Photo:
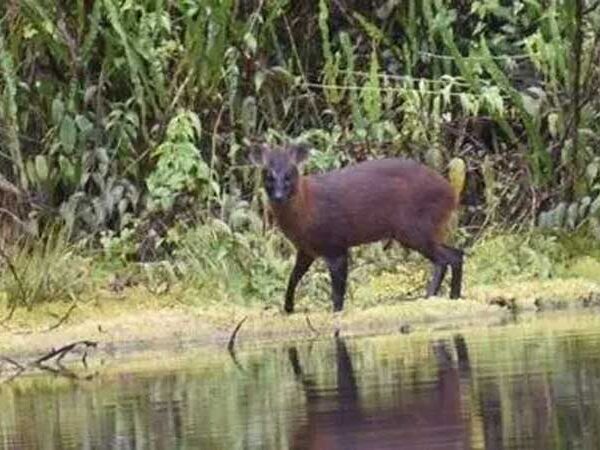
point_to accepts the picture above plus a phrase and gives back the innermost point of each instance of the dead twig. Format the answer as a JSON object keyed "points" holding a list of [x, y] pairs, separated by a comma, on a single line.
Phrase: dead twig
{"points": [[62, 320], [310, 325]]}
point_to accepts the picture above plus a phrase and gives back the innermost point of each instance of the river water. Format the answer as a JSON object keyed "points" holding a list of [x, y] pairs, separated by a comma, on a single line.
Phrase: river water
{"points": [[534, 384]]}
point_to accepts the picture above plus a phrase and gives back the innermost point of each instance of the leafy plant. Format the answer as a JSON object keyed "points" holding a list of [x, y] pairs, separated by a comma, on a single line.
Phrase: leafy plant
{"points": [[105, 104], [237, 266], [180, 167]]}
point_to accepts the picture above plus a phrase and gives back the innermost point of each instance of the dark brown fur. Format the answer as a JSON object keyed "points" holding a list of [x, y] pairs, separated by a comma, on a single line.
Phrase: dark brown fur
{"points": [[390, 199], [372, 201]]}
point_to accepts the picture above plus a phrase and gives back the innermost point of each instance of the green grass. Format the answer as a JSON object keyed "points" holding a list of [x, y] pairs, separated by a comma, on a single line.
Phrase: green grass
{"points": [[43, 270]]}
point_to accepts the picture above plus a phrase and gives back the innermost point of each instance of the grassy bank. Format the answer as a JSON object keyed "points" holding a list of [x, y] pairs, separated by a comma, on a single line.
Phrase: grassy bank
{"points": [[133, 307]]}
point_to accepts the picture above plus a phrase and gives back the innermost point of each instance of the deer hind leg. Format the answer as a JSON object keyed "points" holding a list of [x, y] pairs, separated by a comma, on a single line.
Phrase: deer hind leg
{"points": [[439, 272], [441, 257], [456, 263], [420, 238], [338, 269]]}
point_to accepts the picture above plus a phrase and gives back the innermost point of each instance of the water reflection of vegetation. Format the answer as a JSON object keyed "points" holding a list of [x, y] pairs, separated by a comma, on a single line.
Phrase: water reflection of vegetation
{"points": [[533, 385]]}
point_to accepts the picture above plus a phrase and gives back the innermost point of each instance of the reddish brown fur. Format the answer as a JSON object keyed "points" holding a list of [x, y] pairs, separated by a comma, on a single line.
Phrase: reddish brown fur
{"points": [[325, 215], [384, 199]]}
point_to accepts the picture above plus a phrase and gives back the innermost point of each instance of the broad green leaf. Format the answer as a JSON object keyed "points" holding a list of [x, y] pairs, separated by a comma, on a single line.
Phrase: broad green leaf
{"points": [[67, 170], [250, 42], [41, 167], [58, 109], [592, 170], [68, 134], [84, 124]]}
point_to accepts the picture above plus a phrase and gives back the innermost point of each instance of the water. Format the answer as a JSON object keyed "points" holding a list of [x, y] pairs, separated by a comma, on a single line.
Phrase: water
{"points": [[523, 386]]}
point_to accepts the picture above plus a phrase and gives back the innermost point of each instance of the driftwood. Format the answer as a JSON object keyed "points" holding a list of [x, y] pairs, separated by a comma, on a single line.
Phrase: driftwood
{"points": [[55, 355]]}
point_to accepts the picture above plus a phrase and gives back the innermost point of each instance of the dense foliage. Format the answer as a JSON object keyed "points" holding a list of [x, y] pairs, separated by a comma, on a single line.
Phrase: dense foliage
{"points": [[128, 119]]}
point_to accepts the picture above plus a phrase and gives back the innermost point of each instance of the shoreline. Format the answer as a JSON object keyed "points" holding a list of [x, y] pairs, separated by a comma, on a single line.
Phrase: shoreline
{"points": [[137, 322]]}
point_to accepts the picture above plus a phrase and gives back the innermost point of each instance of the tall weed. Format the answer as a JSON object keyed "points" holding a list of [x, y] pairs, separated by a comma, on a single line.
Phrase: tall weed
{"points": [[48, 269]]}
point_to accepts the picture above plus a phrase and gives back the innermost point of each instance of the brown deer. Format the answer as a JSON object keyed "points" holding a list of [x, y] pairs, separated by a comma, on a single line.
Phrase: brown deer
{"points": [[324, 215]]}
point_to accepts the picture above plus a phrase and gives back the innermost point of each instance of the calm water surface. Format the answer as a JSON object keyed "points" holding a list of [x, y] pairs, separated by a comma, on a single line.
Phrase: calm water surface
{"points": [[522, 386]]}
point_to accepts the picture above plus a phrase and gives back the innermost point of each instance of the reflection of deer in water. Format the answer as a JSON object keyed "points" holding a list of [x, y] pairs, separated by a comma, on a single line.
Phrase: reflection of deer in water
{"points": [[432, 419]]}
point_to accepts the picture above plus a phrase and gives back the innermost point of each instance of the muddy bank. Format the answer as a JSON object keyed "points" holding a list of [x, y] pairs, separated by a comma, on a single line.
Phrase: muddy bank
{"points": [[180, 327]]}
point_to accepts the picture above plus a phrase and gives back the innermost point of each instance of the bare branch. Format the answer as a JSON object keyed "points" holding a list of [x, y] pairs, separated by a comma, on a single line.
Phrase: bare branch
{"points": [[62, 320], [231, 344], [591, 8], [12, 362], [62, 351]]}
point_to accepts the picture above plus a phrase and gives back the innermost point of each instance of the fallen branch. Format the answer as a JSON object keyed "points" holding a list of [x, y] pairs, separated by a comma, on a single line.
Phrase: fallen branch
{"points": [[63, 351], [20, 368], [12, 362], [59, 354]]}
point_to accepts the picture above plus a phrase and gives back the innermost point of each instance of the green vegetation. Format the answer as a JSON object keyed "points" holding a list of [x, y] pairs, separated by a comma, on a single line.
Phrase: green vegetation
{"points": [[126, 125]]}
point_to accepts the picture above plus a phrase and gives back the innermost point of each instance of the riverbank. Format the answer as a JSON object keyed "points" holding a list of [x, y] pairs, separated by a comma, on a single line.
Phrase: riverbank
{"points": [[137, 321], [126, 310]]}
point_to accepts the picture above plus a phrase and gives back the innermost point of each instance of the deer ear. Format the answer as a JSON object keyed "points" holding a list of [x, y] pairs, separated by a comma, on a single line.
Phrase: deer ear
{"points": [[258, 154], [299, 153]]}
